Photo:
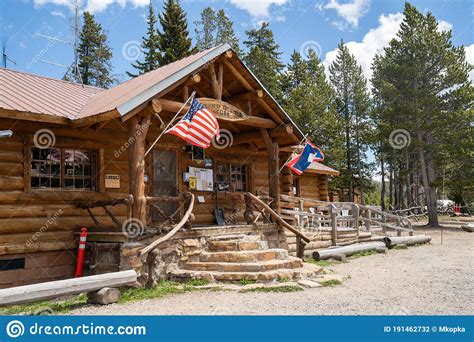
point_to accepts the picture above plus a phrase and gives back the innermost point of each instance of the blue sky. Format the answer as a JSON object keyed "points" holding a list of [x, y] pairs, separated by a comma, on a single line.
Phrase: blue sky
{"points": [[366, 25]]}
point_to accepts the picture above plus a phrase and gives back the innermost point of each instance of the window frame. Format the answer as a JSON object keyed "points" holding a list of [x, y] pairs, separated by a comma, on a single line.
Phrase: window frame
{"points": [[94, 166], [228, 176]]}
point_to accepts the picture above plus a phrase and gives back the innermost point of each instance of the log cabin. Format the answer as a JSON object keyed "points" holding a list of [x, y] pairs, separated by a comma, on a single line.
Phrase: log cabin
{"points": [[74, 156]]}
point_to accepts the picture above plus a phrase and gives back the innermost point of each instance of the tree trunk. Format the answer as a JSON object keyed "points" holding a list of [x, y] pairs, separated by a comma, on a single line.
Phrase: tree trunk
{"points": [[395, 186], [390, 185], [382, 192], [348, 161], [408, 181], [430, 193]]}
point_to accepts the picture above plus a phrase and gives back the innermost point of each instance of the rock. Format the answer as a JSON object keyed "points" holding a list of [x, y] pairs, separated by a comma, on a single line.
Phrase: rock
{"points": [[308, 283], [104, 296], [191, 243]]}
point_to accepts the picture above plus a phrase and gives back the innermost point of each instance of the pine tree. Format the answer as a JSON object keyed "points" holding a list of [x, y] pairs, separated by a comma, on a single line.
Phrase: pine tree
{"points": [[149, 47], [215, 28], [263, 58], [94, 54], [173, 41], [225, 32], [422, 85], [308, 99], [206, 29], [352, 103]]}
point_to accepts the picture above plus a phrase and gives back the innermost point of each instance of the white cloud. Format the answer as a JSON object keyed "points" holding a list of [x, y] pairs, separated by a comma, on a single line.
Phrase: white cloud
{"points": [[58, 14], [257, 8], [350, 11], [377, 38], [93, 6], [470, 58], [372, 43], [444, 25]]}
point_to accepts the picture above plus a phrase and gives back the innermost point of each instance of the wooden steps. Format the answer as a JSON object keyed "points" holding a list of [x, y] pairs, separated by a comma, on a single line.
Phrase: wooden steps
{"points": [[243, 257]]}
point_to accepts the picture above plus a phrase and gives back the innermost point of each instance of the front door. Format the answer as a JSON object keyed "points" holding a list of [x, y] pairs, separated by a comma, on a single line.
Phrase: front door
{"points": [[165, 183]]}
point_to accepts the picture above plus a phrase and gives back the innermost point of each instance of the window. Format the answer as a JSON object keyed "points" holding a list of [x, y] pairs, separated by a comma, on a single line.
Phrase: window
{"points": [[12, 264], [231, 177], [77, 169], [46, 168], [296, 187], [63, 168]]}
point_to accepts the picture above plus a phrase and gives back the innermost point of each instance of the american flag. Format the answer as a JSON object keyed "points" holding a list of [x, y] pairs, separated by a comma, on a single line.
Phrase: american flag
{"points": [[197, 127]]}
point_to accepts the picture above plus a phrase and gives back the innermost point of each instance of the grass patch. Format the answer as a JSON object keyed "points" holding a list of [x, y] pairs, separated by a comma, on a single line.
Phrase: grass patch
{"points": [[47, 307], [331, 282], [53, 307], [322, 263], [197, 282], [284, 280], [163, 288], [244, 282], [362, 254], [285, 288]]}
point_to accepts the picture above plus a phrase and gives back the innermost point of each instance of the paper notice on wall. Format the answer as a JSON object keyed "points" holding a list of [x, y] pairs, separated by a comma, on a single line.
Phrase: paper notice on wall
{"points": [[204, 178]]}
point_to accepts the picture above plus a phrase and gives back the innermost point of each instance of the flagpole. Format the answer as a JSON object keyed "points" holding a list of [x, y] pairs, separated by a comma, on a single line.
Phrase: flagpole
{"points": [[304, 138], [169, 124]]}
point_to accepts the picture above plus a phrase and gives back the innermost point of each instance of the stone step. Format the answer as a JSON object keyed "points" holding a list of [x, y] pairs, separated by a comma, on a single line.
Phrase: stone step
{"points": [[226, 237], [244, 256], [236, 245], [291, 263], [307, 271]]}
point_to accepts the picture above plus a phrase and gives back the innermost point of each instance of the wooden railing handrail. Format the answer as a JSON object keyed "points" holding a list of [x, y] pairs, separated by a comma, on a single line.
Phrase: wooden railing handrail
{"points": [[157, 242], [276, 217]]}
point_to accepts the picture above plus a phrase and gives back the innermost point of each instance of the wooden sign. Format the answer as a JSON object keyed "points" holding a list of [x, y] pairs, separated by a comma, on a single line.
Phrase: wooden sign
{"points": [[223, 110], [112, 181]]}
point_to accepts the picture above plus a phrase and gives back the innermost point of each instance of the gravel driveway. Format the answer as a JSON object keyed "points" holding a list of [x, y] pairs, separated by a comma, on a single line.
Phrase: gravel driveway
{"points": [[432, 279]]}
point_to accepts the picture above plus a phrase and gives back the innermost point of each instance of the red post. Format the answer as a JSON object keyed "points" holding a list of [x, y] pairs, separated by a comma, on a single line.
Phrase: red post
{"points": [[80, 253]]}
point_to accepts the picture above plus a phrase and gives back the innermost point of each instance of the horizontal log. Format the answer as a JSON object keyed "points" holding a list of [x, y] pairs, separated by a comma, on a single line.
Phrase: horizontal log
{"points": [[47, 246], [32, 224], [406, 240], [35, 210], [22, 238], [347, 250], [11, 183], [174, 106], [247, 96], [54, 289], [49, 197]]}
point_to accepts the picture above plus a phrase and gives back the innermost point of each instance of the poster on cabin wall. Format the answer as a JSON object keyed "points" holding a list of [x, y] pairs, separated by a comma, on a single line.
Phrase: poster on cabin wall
{"points": [[204, 178], [112, 181]]}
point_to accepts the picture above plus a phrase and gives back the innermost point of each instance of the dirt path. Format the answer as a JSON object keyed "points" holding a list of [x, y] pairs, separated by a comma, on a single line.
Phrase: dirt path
{"points": [[430, 279]]}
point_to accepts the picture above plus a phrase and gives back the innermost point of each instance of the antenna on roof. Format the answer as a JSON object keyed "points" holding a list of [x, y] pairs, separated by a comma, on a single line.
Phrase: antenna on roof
{"points": [[5, 57], [72, 71]]}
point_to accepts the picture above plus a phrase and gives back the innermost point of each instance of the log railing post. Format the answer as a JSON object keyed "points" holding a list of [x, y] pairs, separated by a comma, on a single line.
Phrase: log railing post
{"points": [[399, 224], [355, 213], [368, 215], [333, 213], [248, 213], [301, 216], [384, 227]]}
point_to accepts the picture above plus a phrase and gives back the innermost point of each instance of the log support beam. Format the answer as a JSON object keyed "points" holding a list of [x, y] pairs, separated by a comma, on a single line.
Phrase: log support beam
{"points": [[138, 128], [252, 136], [273, 169], [247, 96], [217, 79], [254, 121]]}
